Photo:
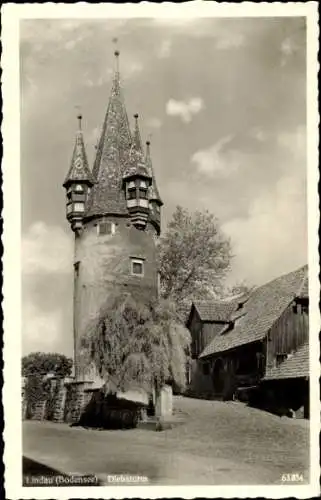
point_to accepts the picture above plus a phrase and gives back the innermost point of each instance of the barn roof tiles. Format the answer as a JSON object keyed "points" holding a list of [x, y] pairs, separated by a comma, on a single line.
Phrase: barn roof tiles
{"points": [[259, 312], [296, 365], [210, 310]]}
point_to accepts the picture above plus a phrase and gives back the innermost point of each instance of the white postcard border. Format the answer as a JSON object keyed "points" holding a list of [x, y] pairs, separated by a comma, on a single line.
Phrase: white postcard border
{"points": [[12, 13]]}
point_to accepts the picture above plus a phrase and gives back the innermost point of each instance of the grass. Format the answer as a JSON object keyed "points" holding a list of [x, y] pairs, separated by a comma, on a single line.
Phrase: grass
{"points": [[219, 443]]}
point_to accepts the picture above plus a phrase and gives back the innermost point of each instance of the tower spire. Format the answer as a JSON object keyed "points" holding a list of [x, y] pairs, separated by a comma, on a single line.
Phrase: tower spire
{"points": [[112, 154]]}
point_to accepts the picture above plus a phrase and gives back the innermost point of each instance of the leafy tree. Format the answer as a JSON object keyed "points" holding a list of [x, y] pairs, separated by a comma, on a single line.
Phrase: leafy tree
{"points": [[239, 288], [137, 342], [42, 363], [194, 257]]}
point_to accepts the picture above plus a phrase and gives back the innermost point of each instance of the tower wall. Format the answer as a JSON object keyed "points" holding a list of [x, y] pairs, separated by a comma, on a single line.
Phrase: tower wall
{"points": [[103, 264]]}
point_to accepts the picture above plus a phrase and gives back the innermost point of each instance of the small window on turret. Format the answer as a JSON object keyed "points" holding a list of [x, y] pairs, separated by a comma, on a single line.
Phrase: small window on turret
{"points": [[79, 207], [106, 228], [79, 188], [137, 267], [143, 193], [131, 194], [143, 184]]}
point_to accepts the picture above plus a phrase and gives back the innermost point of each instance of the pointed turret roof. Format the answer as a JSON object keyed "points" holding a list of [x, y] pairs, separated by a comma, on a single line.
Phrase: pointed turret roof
{"points": [[136, 164], [79, 169], [107, 195], [136, 135], [153, 193]]}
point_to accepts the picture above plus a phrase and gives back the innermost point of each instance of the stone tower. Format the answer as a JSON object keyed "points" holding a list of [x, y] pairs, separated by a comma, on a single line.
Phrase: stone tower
{"points": [[114, 211]]}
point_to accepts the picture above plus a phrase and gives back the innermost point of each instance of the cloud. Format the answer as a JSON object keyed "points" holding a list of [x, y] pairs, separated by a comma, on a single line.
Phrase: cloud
{"points": [[94, 136], [165, 49], [216, 160], [131, 69], [184, 109], [71, 44], [154, 123], [98, 81], [230, 41], [274, 230], [258, 134], [46, 249], [294, 141], [289, 47], [42, 331]]}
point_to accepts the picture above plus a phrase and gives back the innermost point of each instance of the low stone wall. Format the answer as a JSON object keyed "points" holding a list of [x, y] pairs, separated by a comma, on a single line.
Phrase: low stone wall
{"points": [[65, 400], [78, 396]]}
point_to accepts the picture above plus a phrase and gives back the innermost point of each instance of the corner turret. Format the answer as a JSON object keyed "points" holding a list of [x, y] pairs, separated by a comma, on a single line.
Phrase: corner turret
{"points": [[136, 182], [78, 182]]}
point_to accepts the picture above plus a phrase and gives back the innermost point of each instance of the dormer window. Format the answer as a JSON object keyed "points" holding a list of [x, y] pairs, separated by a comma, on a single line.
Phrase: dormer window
{"points": [[280, 357], [304, 309]]}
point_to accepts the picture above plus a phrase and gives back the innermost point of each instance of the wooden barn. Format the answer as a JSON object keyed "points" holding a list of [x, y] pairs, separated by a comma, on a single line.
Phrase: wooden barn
{"points": [[255, 345]]}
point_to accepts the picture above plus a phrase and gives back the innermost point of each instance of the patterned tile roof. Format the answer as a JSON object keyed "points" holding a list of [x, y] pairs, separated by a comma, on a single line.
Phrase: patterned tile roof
{"points": [[297, 365], [136, 135], [153, 193], [79, 169], [136, 163], [210, 310], [107, 195], [261, 310]]}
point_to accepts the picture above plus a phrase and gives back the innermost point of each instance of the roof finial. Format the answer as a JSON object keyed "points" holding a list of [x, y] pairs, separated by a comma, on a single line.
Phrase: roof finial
{"points": [[79, 116], [149, 138], [116, 53], [79, 121]]}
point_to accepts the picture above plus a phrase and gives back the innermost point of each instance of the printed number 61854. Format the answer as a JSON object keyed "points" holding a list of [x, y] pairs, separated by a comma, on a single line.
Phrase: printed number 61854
{"points": [[291, 478]]}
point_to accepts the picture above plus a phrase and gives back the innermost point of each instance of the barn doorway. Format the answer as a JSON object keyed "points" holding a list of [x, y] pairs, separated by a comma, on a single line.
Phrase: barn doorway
{"points": [[218, 376]]}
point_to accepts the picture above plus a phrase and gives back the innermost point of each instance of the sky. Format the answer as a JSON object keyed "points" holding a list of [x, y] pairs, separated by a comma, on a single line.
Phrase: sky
{"points": [[223, 101]]}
